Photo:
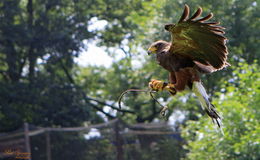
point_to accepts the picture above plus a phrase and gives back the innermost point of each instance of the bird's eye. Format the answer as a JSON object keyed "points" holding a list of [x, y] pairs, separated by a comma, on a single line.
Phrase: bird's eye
{"points": [[158, 45]]}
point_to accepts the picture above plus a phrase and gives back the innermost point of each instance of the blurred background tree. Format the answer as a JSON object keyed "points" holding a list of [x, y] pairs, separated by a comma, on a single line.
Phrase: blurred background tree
{"points": [[240, 108], [41, 83]]}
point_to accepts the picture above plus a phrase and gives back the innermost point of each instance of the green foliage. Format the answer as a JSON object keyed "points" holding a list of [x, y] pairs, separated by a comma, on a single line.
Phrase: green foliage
{"points": [[38, 41], [239, 106], [167, 149]]}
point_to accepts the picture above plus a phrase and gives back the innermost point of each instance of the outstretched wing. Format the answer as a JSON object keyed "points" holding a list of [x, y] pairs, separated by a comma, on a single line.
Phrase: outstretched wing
{"points": [[199, 40]]}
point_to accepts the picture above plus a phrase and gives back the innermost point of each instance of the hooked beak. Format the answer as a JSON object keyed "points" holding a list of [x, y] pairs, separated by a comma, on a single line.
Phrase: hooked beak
{"points": [[151, 50], [169, 27]]}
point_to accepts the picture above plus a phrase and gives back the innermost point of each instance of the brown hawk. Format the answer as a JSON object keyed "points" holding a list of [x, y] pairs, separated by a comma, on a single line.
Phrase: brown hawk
{"points": [[197, 46]]}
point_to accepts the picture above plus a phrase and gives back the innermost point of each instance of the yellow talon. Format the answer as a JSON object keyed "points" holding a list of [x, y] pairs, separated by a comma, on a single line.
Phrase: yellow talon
{"points": [[171, 89], [156, 85]]}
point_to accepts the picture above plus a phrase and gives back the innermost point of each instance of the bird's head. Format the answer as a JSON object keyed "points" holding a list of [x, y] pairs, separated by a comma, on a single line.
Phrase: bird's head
{"points": [[169, 27], [157, 47]]}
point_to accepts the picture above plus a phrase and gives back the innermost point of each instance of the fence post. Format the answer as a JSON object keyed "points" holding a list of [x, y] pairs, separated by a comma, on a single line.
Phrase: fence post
{"points": [[27, 140], [118, 142], [48, 145]]}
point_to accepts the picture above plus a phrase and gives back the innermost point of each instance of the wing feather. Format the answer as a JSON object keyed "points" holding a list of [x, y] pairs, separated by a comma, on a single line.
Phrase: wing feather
{"points": [[200, 40], [208, 17], [185, 13], [212, 23], [196, 14]]}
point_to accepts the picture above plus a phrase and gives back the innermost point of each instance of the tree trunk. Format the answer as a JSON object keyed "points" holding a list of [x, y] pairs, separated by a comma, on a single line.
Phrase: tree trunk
{"points": [[31, 54]]}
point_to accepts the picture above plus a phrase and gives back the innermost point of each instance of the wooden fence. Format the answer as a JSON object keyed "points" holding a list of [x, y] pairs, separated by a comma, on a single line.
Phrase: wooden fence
{"points": [[17, 144]]}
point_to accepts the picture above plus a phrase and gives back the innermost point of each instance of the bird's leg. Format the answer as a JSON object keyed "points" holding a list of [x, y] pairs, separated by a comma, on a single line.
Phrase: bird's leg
{"points": [[158, 85]]}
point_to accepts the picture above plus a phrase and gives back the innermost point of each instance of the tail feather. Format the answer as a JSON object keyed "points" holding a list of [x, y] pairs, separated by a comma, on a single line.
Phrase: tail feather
{"points": [[203, 97]]}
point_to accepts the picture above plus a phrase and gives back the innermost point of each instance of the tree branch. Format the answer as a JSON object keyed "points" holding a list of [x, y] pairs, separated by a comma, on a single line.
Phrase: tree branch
{"points": [[111, 106], [125, 52], [67, 72], [101, 110], [70, 78]]}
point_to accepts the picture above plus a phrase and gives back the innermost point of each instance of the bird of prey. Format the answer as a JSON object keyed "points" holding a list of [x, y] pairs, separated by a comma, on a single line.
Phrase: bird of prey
{"points": [[197, 46]]}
